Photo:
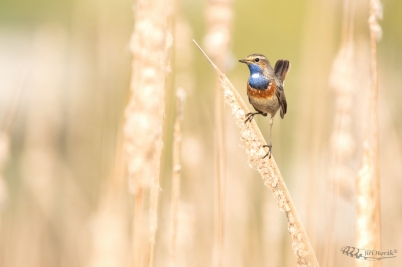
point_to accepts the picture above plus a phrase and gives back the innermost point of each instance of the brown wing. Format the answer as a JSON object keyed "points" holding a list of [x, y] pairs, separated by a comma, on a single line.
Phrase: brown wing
{"points": [[280, 93], [281, 69]]}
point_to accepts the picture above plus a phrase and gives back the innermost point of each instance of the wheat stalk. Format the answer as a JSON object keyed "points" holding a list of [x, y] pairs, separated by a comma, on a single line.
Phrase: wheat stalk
{"points": [[176, 177], [150, 46], [342, 142], [252, 141], [217, 40], [368, 180]]}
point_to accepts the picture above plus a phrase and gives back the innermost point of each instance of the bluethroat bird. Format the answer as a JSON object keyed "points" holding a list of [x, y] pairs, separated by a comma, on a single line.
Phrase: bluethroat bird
{"points": [[265, 89]]}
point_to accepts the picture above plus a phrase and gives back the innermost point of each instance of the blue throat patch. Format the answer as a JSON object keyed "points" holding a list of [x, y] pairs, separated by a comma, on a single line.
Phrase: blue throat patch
{"points": [[257, 79]]}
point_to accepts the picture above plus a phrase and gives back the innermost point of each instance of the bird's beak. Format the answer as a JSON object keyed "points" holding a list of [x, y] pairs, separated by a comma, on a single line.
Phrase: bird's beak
{"points": [[243, 61]]}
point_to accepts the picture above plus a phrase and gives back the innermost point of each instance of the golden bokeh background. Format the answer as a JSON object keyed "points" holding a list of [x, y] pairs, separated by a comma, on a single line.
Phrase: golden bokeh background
{"points": [[64, 83]]}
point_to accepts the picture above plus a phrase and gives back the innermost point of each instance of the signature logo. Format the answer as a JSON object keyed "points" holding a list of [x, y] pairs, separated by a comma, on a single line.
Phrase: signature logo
{"points": [[367, 254]]}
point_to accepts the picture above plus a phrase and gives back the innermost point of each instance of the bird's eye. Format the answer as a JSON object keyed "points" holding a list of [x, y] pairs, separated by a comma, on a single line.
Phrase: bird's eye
{"points": [[257, 59]]}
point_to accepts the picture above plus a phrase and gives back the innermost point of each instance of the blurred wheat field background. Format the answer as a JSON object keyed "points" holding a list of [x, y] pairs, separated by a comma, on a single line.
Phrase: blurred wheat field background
{"points": [[69, 194]]}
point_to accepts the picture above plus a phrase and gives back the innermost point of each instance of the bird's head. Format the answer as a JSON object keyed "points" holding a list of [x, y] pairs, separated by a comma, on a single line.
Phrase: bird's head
{"points": [[256, 63]]}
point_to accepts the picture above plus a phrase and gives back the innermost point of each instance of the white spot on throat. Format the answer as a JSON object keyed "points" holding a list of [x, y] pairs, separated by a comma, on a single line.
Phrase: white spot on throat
{"points": [[255, 75]]}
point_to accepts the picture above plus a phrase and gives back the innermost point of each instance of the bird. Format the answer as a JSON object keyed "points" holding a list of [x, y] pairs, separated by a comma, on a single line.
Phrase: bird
{"points": [[265, 89]]}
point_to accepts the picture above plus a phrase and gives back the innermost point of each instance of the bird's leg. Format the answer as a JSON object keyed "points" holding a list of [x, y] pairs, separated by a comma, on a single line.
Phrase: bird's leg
{"points": [[269, 153], [250, 115]]}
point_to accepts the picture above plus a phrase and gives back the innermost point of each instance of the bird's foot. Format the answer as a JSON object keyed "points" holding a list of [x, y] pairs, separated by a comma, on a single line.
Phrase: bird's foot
{"points": [[269, 153], [250, 116]]}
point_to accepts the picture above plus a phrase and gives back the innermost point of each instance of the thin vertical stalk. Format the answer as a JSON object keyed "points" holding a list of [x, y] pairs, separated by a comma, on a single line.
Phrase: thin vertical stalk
{"points": [[220, 181], [376, 149], [176, 177], [342, 142], [368, 181], [138, 228], [218, 43], [150, 47]]}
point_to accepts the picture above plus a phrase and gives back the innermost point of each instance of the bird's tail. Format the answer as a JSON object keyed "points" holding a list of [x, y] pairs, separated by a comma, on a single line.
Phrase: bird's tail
{"points": [[281, 69]]}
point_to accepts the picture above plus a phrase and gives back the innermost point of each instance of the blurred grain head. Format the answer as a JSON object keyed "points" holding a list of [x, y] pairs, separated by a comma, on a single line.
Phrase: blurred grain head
{"points": [[342, 141], [343, 84], [184, 58], [144, 114], [368, 220], [150, 44], [219, 33]]}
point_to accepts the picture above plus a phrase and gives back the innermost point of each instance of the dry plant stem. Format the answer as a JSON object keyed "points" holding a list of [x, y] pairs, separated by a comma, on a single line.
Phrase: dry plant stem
{"points": [[375, 128], [219, 20], [368, 181], [150, 45], [138, 223], [176, 178], [342, 141], [153, 220], [252, 140], [220, 181]]}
